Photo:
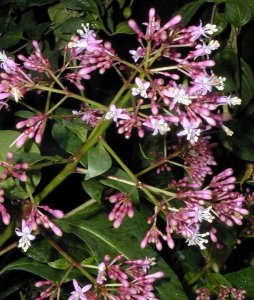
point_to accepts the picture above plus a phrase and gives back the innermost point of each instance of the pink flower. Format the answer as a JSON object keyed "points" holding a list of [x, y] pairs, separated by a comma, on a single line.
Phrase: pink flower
{"points": [[26, 236], [191, 130], [79, 293], [141, 88], [7, 63]]}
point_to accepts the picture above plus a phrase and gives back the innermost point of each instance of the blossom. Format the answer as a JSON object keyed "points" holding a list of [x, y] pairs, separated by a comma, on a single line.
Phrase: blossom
{"points": [[7, 63], [141, 88], [137, 54], [197, 238], [158, 125], [26, 236], [116, 113], [191, 130], [79, 293], [123, 206], [85, 41], [229, 100]]}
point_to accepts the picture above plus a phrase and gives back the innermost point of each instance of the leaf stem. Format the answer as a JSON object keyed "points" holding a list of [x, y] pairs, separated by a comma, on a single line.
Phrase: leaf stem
{"points": [[69, 258]]}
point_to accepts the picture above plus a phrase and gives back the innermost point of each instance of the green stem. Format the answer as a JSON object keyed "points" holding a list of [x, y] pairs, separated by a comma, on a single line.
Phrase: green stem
{"points": [[80, 207], [139, 185], [69, 258], [57, 105], [71, 95], [117, 158], [8, 248], [90, 142], [52, 75], [196, 277]]}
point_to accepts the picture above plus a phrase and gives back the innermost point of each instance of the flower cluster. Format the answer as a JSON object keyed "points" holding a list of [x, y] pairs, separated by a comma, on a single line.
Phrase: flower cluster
{"points": [[123, 206], [17, 170], [34, 128], [216, 201], [223, 293], [120, 279], [33, 218]]}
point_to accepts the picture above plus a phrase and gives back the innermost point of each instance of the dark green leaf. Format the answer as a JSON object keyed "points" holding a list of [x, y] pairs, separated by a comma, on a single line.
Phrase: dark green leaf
{"points": [[250, 3], [220, 22], [121, 186], [189, 10], [29, 265], [217, 279], [99, 161], [40, 251], [247, 81], [86, 5], [243, 280], [93, 188], [41, 2], [97, 232], [241, 143], [237, 12]]}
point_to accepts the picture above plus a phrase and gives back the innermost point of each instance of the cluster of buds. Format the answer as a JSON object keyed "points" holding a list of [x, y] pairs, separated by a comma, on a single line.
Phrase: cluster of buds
{"points": [[34, 128], [120, 279], [92, 54], [122, 207], [33, 218], [223, 293], [3, 212], [14, 82], [51, 290], [217, 201], [90, 116], [193, 106], [17, 170], [36, 61]]}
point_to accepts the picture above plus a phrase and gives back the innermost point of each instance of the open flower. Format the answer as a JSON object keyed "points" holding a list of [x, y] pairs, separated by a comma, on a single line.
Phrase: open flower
{"points": [[79, 293], [26, 236], [141, 88]]}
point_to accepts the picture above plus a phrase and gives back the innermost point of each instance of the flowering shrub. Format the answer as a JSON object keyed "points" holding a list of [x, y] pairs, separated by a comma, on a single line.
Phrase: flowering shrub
{"points": [[178, 205]]}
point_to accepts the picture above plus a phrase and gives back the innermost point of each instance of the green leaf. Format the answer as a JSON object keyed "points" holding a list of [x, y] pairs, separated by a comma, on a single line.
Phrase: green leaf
{"points": [[218, 279], [220, 22], [41, 2], [97, 232], [123, 28], [99, 161], [250, 3], [40, 251], [237, 12], [58, 14], [29, 265], [93, 188], [121, 3], [189, 10], [243, 280], [61, 264], [24, 114], [247, 81], [86, 5], [120, 186], [78, 127], [241, 143], [14, 188], [67, 140]]}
